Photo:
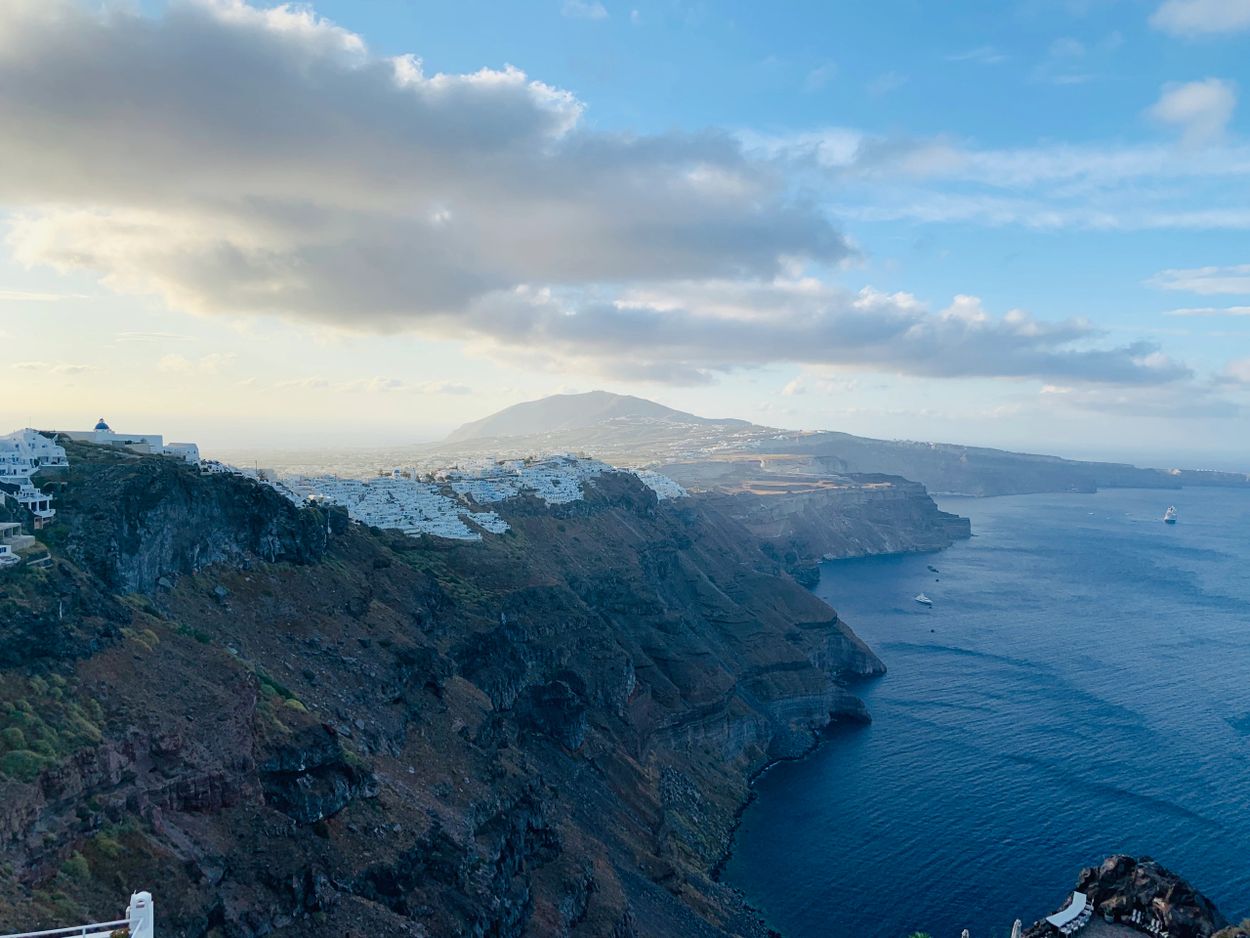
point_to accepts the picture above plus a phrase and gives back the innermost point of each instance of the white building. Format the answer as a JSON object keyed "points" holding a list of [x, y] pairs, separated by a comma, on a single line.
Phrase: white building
{"points": [[22, 454], [146, 443], [25, 452]]}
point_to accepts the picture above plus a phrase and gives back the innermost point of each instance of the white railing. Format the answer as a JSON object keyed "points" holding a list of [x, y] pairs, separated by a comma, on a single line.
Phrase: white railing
{"points": [[138, 923], [99, 928]]}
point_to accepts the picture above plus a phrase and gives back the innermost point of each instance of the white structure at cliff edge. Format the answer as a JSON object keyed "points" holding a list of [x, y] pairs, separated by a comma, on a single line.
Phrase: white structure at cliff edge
{"points": [[147, 443]]}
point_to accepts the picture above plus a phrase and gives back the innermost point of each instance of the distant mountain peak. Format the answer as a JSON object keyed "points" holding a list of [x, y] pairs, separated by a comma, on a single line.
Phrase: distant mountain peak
{"points": [[561, 412]]}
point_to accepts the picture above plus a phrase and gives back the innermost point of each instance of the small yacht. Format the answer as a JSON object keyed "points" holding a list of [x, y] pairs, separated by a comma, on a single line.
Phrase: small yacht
{"points": [[1169, 516], [923, 599]]}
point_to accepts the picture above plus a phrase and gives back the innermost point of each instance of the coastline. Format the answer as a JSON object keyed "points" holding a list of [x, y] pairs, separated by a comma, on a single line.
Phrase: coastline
{"points": [[963, 725], [819, 737]]}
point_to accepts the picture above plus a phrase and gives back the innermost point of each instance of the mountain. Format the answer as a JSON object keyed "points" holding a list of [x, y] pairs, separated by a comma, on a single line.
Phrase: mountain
{"points": [[284, 724], [698, 452], [564, 412]]}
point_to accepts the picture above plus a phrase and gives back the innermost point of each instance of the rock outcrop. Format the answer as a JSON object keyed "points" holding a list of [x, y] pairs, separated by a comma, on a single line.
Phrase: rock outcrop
{"points": [[1123, 886], [292, 726], [132, 521], [801, 518]]}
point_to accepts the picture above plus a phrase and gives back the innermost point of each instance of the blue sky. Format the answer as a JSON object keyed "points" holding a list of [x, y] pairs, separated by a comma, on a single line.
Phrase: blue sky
{"points": [[1013, 223]]}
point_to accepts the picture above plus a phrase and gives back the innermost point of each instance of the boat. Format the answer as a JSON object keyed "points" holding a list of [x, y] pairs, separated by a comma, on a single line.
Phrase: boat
{"points": [[932, 569], [1169, 516], [923, 599]]}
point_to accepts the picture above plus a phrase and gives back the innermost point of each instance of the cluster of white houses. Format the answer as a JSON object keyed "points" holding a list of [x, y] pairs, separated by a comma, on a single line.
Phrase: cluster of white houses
{"points": [[451, 503], [22, 454]]}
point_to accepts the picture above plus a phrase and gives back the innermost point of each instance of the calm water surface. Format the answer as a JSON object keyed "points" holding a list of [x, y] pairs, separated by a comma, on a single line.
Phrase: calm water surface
{"points": [[1080, 687]]}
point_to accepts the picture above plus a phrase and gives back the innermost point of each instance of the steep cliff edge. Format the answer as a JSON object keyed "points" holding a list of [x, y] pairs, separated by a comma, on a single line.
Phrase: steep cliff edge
{"points": [[875, 515], [284, 724], [801, 515]]}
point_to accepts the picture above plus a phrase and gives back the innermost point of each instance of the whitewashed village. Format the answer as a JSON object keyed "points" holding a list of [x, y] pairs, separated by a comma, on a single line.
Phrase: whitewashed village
{"points": [[449, 503]]}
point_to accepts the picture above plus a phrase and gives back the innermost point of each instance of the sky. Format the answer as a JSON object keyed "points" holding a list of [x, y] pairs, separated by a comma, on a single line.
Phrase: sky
{"points": [[1020, 223]]}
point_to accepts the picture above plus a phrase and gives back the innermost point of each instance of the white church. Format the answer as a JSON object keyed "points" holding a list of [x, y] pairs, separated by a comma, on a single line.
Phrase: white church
{"points": [[146, 443]]}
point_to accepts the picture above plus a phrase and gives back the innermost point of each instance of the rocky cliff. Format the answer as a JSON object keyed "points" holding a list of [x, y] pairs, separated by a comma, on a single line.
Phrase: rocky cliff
{"points": [[802, 515], [283, 724], [800, 526], [1140, 890]]}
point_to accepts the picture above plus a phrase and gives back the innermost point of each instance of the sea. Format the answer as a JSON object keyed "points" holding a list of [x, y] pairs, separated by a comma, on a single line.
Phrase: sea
{"points": [[1080, 687]]}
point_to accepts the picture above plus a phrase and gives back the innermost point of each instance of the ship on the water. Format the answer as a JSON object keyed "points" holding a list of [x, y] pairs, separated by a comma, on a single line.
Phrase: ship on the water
{"points": [[1169, 516]]}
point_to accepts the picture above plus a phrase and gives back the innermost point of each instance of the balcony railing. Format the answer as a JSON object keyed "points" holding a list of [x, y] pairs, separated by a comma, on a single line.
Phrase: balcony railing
{"points": [[139, 923]]}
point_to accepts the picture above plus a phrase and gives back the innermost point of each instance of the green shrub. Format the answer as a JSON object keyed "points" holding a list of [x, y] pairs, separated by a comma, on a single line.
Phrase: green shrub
{"points": [[13, 738], [77, 868], [23, 765]]}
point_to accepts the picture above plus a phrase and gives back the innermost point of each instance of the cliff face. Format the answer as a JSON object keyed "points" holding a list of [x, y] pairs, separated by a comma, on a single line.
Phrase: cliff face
{"points": [[880, 515], [800, 520], [286, 725], [132, 521]]}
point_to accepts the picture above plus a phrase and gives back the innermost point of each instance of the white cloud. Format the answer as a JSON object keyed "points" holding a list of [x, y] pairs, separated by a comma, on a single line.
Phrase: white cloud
{"points": [[1206, 281], [585, 9], [1201, 17], [1200, 110]]}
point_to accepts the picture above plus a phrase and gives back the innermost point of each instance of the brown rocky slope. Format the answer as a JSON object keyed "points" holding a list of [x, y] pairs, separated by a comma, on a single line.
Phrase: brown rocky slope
{"points": [[283, 724]]}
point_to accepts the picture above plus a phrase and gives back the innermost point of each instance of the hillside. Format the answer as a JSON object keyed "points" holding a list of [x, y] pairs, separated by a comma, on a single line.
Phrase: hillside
{"points": [[564, 412], [681, 445], [285, 724]]}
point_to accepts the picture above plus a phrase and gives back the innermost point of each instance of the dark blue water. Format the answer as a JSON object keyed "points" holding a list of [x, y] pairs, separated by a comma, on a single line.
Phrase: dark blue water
{"points": [[1081, 687]]}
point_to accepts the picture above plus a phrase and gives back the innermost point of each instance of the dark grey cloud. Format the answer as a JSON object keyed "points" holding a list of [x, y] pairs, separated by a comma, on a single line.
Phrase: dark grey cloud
{"points": [[689, 332]]}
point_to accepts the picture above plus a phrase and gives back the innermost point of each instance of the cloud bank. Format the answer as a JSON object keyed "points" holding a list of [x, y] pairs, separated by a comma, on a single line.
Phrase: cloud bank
{"points": [[278, 167]]}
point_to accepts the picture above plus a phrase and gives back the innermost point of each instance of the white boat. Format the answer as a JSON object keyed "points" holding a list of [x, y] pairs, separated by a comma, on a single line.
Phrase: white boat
{"points": [[1169, 516], [923, 599]]}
